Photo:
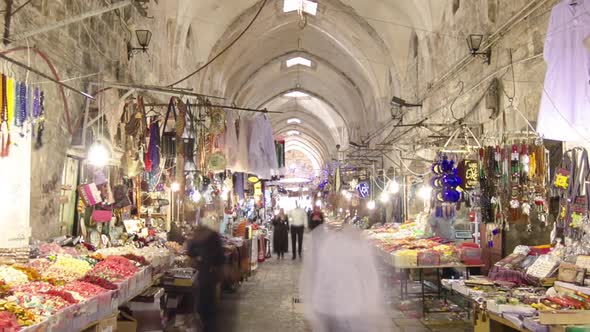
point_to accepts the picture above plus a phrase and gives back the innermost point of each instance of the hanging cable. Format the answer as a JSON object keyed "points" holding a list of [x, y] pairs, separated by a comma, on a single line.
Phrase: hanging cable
{"points": [[224, 50]]}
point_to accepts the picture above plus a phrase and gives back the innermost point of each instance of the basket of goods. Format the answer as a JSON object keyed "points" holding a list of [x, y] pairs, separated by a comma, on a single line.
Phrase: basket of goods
{"points": [[23, 316], [448, 254], [67, 269], [428, 258], [405, 258], [470, 254]]}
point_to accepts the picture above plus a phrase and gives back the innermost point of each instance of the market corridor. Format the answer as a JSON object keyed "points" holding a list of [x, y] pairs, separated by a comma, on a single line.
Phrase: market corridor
{"points": [[266, 301]]}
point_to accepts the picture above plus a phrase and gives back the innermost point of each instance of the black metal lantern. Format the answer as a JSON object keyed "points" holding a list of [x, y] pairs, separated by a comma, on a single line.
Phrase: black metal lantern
{"points": [[143, 39], [474, 42]]}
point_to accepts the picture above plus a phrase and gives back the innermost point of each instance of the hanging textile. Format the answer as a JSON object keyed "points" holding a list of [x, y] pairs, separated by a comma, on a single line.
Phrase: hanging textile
{"points": [[280, 149], [262, 152], [565, 102], [231, 142], [153, 153], [242, 163]]}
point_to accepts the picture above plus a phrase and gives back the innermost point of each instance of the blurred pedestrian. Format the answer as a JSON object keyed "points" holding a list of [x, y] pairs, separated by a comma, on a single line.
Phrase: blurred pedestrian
{"points": [[206, 251], [316, 218], [280, 234], [340, 284], [297, 217]]}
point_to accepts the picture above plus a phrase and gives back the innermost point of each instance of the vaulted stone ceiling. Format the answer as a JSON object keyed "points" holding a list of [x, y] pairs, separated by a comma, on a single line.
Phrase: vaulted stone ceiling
{"points": [[358, 50]]}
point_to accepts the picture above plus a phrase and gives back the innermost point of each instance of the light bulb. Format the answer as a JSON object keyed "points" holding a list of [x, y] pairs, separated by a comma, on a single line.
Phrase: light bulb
{"points": [[98, 155], [425, 192], [393, 187], [371, 205], [175, 186], [319, 194], [196, 196], [384, 198]]}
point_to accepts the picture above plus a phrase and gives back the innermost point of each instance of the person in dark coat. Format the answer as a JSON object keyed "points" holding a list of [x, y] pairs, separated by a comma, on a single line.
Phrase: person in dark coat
{"points": [[281, 234], [206, 250], [316, 218]]}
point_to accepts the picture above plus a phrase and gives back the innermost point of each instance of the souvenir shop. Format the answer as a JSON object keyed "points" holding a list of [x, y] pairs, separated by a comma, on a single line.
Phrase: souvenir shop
{"points": [[496, 227], [134, 191]]}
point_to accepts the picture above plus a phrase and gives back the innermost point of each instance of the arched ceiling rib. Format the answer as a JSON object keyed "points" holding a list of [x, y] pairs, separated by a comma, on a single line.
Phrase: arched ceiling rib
{"points": [[359, 49]]}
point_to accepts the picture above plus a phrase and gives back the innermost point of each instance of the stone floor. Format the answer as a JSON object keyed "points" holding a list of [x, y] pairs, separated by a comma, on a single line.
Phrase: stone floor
{"points": [[264, 303]]}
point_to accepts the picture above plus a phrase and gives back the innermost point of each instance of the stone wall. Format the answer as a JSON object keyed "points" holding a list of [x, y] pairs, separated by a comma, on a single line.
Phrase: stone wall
{"points": [[433, 54], [95, 47]]}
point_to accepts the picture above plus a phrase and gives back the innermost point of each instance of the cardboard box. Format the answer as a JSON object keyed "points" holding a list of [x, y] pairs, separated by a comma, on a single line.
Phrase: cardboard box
{"points": [[126, 323], [565, 317], [108, 324]]}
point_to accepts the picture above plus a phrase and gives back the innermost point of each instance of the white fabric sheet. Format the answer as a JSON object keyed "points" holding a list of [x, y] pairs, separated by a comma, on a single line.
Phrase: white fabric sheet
{"points": [[565, 105]]}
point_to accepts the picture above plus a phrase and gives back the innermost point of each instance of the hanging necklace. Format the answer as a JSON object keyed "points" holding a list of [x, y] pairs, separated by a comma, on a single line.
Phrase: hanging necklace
{"points": [[22, 98]]}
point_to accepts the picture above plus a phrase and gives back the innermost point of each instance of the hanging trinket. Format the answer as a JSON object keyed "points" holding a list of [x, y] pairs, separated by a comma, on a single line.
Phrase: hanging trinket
{"points": [[41, 121], [498, 161], [514, 161], [525, 161]]}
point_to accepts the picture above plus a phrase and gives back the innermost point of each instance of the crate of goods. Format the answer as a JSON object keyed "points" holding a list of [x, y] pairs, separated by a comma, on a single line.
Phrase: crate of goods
{"points": [[428, 258]]}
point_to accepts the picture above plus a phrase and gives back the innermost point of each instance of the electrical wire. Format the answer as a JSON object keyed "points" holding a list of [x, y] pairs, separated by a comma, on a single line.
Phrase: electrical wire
{"points": [[224, 49]]}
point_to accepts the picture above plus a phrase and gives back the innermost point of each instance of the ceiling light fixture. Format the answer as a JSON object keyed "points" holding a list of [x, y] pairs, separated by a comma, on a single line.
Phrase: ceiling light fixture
{"points": [[307, 6], [474, 43], [293, 133], [294, 121], [296, 94], [298, 61]]}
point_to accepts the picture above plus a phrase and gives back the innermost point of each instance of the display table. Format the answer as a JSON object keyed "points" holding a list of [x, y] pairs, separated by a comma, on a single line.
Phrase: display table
{"points": [[434, 289], [94, 310]]}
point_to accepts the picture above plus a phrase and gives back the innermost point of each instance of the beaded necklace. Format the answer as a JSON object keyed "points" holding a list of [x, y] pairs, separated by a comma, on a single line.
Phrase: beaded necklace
{"points": [[5, 125], [22, 104], [17, 104], [9, 100]]}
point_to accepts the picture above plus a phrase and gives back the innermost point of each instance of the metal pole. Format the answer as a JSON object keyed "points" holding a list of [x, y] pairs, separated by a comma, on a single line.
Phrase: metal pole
{"points": [[154, 88], [220, 106], [71, 20], [20, 64]]}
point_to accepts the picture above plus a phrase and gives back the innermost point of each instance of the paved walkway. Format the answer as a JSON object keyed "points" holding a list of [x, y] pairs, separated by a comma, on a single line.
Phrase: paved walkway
{"points": [[264, 303]]}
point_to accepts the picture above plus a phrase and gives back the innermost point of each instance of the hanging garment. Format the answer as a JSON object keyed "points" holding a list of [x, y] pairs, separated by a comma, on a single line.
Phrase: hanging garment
{"points": [[263, 156], [231, 142], [242, 163], [269, 148], [564, 112], [153, 154]]}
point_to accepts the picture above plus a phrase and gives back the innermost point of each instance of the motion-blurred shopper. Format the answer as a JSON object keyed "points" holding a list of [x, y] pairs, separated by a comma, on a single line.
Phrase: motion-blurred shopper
{"points": [[316, 218], [340, 284], [206, 250]]}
